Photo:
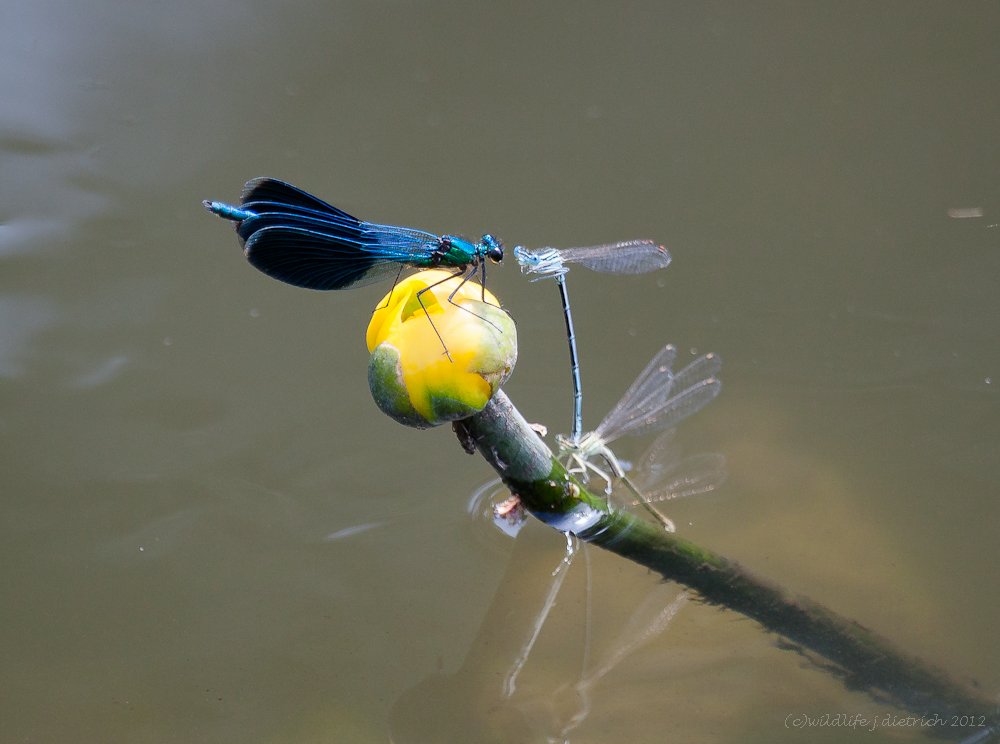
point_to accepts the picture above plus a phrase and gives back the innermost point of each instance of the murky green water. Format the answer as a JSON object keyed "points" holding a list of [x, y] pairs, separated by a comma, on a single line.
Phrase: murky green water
{"points": [[208, 532]]}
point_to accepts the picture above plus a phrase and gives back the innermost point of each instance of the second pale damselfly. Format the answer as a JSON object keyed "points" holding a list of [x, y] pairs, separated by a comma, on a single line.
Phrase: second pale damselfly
{"points": [[657, 400]]}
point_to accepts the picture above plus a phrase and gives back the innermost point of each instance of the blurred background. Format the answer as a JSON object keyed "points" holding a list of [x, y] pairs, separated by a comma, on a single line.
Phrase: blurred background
{"points": [[209, 533]]}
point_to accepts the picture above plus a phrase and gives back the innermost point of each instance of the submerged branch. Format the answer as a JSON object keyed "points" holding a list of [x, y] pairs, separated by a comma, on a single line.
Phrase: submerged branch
{"points": [[861, 658]]}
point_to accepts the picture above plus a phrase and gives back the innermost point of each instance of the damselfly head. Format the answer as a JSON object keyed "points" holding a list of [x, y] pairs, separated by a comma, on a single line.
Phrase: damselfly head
{"points": [[588, 444], [525, 258], [494, 248], [564, 443]]}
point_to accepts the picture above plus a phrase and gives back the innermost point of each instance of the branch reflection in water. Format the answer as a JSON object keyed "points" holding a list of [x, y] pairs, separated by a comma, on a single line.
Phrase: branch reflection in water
{"points": [[662, 473]]}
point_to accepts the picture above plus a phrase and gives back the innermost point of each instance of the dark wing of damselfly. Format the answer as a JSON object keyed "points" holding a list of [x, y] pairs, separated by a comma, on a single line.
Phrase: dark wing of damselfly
{"points": [[271, 190], [301, 240], [626, 257]]}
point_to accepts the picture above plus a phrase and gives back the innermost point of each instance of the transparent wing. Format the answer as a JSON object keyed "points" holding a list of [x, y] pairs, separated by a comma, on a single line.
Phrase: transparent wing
{"points": [[656, 398], [627, 257], [650, 619], [661, 474], [689, 477], [649, 404], [401, 243], [700, 369], [655, 377], [664, 452], [666, 413]]}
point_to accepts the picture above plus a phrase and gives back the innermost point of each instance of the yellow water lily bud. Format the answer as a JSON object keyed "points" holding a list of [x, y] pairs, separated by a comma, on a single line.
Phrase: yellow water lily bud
{"points": [[422, 382]]}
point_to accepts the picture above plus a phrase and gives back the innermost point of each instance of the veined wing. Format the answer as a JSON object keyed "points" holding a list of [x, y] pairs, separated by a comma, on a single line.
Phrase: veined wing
{"points": [[687, 477], [274, 191], [406, 243], [318, 260], [700, 369], [662, 474], [301, 240], [626, 257], [396, 243], [650, 619], [274, 198], [657, 376], [661, 454], [274, 215], [665, 414]]}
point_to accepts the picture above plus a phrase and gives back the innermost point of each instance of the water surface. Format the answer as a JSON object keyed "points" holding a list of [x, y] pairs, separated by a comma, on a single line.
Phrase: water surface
{"points": [[210, 533]]}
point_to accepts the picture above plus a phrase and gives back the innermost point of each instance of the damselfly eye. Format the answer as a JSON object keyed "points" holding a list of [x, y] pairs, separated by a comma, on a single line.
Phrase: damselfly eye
{"points": [[494, 248]]}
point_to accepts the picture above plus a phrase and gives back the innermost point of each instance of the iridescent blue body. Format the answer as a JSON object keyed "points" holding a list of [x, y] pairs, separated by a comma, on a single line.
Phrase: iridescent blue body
{"points": [[294, 237]]}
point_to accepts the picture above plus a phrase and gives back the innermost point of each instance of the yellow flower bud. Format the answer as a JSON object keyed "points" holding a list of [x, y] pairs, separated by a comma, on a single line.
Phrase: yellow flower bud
{"points": [[411, 377]]}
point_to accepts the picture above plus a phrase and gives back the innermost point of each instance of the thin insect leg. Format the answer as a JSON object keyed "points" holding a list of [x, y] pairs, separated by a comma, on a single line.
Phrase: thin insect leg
{"points": [[388, 297], [577, 465], [613, 465], [607, 478], [424, 308], [452, 301], [573, 465], [482, 269], [667, 523], [573, 362], [462, 284]]}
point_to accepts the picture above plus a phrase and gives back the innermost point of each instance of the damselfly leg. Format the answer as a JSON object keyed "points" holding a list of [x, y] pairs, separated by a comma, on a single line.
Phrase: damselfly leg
{"points": [[465, 278]]}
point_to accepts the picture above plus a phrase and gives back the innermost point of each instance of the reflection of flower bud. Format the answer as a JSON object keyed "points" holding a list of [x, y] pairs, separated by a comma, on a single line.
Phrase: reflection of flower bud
{"points": [[411, 377]]}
